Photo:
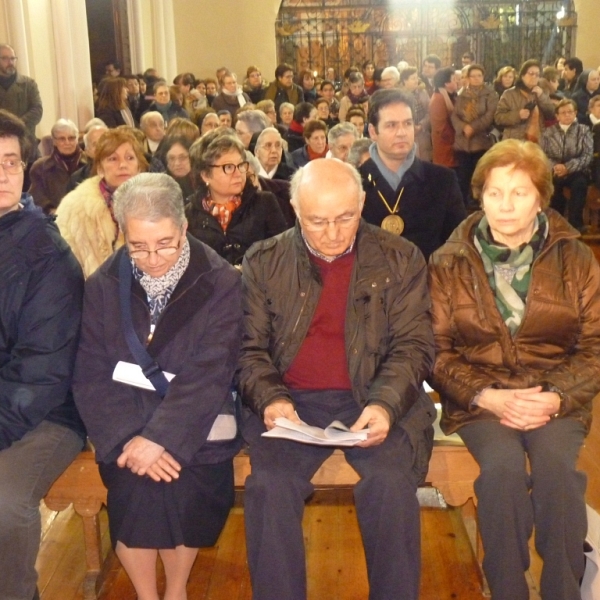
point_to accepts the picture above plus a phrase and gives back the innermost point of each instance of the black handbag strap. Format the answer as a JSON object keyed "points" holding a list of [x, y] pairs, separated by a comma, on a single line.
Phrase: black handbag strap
{"points": [[149, 366]]}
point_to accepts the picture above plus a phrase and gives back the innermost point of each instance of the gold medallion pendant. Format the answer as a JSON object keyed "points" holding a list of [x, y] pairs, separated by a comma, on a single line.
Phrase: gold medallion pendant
{"points": [[393, 224]]}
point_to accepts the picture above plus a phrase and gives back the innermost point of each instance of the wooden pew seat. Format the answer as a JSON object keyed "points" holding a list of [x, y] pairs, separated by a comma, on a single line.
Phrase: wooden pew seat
{"points": [[452, 470]]}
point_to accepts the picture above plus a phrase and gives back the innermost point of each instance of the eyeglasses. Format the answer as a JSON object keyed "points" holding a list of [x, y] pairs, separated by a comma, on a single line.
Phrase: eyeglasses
{"points": [[533, 74], [182, 158], [229, 168], [9, 58], [162, 252], [317, 225], [13, 167], [566, 112], [63, 140]]}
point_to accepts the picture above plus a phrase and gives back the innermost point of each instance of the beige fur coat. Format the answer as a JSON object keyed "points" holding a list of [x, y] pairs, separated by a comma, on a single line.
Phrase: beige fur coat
{"points": [[86, 224]]}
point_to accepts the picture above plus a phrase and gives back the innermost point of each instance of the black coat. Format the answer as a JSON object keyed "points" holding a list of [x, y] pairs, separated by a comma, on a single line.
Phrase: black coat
{"points": [[431, 204], [40, 315], [257, 218], [197, 338]]}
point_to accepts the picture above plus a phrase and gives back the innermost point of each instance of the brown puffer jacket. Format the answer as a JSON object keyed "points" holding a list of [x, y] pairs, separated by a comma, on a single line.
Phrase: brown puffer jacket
{"points": [[558, 343]]}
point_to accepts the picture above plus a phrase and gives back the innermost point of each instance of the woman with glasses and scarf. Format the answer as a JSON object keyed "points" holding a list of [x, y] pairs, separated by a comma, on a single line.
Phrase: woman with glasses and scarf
{"points": [[164, 445], [227, 212], [522, 109], [515, 304]]}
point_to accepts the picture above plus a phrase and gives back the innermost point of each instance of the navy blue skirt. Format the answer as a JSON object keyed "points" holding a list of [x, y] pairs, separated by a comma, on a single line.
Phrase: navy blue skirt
{"points": [[190, 511]]}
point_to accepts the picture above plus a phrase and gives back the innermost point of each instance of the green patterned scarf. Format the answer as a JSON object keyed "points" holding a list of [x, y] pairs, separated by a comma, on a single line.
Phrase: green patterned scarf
{"points": [[509, 270]]}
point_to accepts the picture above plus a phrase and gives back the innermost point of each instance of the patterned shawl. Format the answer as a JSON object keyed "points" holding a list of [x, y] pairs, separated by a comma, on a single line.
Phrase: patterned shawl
{"points": [[509, 270], [159, 289]]}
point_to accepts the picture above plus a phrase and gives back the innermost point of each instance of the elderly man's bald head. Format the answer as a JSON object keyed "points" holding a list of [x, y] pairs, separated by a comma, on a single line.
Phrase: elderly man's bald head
{"points": [[325, 172], [327, 196]]}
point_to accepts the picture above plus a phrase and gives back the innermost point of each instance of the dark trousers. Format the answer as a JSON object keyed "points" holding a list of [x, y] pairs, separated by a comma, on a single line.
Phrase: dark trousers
{"points": [[385, 497], [578, 184], [467, 161], [511, 502]]}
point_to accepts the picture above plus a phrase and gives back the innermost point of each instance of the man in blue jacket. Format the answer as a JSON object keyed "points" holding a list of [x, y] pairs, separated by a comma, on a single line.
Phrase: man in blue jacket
{"points": [[40, 311]]}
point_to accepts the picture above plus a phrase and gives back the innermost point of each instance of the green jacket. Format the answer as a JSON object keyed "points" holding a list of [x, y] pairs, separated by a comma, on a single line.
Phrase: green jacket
{"points": [[23, 100]]}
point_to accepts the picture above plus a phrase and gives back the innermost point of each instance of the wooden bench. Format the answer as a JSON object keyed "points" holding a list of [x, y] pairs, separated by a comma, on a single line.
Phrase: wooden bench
{"points": [[452, 470]]}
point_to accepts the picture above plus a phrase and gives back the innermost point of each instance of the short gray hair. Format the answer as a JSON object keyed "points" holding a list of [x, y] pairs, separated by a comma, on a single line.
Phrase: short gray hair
{"points": [[149, 197], [296, 181], [255, 120], [62, 125], [253, 161], [95, 122], [340, 130], [391, 71], [86, 135], [286, 105], [264, 133], [152, 114], [359, 148]]}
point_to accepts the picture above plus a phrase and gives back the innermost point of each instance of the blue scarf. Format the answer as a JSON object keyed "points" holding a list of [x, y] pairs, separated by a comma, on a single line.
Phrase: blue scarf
{"points": [[394, 178]]}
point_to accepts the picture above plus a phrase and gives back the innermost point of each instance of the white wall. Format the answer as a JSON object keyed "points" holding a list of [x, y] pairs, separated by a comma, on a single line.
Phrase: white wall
{"points": [[232, 33]]}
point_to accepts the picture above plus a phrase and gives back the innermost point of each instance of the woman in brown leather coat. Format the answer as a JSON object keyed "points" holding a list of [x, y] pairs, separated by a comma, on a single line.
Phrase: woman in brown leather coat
{"points": [[516, 317]]}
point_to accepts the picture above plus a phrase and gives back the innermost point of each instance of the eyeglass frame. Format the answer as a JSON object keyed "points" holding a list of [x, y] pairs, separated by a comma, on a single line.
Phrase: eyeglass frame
{"points": [[10, 58], [342, 222], [11, 170], [232, 170], [158, 251]]}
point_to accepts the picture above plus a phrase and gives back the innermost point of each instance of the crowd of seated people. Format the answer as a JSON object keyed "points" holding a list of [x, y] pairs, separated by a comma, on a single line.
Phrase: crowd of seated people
{"points": [[230, 149], [457, 116]]}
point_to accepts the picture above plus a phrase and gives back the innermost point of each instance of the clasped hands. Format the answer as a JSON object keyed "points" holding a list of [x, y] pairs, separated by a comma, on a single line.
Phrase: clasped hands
{"points": [[524, 409], [375, 417], [144, 457]]}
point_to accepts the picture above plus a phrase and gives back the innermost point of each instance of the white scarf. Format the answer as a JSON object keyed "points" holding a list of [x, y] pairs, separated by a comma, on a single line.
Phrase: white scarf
{"points": [[239, 92]]}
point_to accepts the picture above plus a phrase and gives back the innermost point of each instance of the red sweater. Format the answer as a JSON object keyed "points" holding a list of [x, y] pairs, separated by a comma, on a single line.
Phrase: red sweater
{"points": [[321, 362]]}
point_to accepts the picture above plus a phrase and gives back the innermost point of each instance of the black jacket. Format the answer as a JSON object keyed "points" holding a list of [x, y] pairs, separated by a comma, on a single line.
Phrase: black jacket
{"points": [[197, 338], [258, 218], [431, 204], [40, 316]]}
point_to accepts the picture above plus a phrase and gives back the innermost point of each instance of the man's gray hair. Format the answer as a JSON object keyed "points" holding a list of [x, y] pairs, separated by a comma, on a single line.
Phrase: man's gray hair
{"points": [[86, 135], [64, 125], [149, 197], [255, 120], [296, 181], [264, 133], [150, 115], [95, 122], [340, 130], [359, 148]]}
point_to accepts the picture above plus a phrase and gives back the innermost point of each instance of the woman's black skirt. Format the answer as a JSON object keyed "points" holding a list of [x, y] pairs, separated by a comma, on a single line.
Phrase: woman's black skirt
{"points": [[190, 511]]}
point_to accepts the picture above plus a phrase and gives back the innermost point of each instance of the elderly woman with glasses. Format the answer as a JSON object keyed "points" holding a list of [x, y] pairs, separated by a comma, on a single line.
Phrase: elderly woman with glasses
{"points": [[515, 306], [227, 212], [569, 146], [164, 444], [522, 109]]}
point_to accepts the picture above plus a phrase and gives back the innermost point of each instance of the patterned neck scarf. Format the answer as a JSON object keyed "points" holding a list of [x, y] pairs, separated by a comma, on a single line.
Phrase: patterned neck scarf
{"points": [[222, 212], [509, 270], [107, 193], [159, 289]]}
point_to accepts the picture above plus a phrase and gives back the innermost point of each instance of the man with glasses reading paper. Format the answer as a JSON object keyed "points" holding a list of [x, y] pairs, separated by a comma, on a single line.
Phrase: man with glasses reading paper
{"points": [[336, 326]]}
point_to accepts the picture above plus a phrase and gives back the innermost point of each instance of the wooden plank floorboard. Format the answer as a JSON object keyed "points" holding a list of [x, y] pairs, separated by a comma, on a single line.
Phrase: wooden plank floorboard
{"points": [[335, 559]]}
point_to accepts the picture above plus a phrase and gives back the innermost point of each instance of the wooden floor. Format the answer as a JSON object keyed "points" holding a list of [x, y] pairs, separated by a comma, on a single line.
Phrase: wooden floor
{"points": [[336, 566]]}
